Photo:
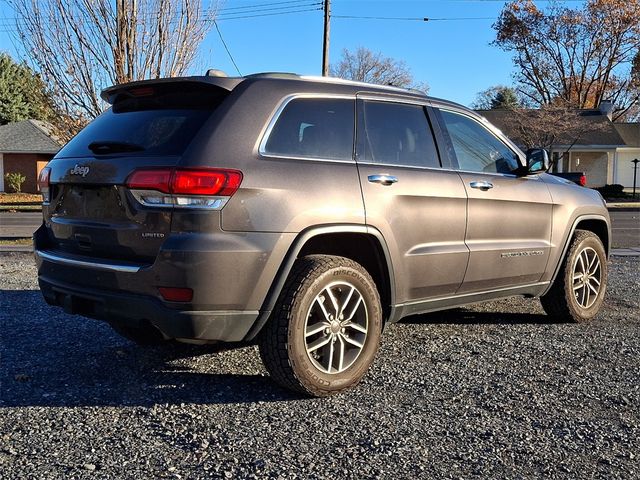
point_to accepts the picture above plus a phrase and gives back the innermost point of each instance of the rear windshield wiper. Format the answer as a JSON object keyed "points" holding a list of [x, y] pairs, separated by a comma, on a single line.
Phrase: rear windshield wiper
{"points": [[107, 146]]}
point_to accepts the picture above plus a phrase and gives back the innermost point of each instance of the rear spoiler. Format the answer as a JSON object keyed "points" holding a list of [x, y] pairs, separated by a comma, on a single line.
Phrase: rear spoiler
{"points": [[227, 83]]}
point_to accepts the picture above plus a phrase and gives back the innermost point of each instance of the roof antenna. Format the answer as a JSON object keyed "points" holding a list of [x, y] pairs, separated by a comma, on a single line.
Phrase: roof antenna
{"points": [[212, 72]]}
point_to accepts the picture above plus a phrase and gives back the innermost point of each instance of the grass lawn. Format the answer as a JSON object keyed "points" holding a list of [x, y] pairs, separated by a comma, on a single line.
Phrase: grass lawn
{"points": [[19, 198], [20, 202], [16, 241]]}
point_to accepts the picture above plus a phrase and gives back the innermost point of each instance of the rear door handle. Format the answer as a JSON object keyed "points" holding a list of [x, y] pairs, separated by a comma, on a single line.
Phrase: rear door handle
{"points": [[382, 179], [484, 186]]}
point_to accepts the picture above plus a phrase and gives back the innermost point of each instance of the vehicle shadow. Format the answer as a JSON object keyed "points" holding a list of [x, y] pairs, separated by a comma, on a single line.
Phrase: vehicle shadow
{"points": [[49, 358], [466, 316]]}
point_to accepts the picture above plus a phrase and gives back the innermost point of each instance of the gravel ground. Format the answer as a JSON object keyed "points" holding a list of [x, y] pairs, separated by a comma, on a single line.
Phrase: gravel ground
{"points": [[493, 390]]}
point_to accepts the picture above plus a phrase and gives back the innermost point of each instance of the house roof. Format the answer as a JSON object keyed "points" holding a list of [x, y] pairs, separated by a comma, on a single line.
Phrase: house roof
{"points": [[592, 128], [630, 133], [28, 136]]}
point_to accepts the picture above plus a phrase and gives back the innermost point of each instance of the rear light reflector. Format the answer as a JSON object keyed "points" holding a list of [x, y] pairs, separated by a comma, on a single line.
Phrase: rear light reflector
{"points": [[189, 188], [44, 179], [174, 294]]}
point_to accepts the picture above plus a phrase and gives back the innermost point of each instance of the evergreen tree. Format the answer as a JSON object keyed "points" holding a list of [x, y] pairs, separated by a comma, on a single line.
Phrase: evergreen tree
{"points": [[23, 94]]}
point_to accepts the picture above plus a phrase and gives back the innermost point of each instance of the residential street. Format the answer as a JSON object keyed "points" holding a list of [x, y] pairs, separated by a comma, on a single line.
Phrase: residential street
{"points": [[19, 224], [625, 226]]}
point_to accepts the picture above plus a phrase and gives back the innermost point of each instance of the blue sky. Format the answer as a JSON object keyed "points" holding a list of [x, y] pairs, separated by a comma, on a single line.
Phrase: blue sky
{"points": [[453, 56]]}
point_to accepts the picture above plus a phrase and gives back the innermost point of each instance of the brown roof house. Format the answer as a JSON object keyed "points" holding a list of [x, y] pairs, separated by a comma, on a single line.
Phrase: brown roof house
{"points": [[596, 145], [26, 147], [624, 156]]}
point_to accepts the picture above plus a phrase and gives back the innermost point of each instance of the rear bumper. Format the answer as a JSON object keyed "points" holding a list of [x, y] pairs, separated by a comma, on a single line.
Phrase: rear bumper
{"points": [[229, 273], [136, 310]]}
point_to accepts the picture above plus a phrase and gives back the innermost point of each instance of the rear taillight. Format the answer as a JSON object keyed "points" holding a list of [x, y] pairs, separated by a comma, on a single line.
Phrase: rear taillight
{"points": [[44, 178], [156, 179], [206, 182], [191, 188], [583, 180]]}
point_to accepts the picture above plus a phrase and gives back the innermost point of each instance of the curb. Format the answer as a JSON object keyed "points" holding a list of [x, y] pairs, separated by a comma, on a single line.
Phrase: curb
{"points": [[624, 206], [625, 252], [623, 209], [16, 248]]}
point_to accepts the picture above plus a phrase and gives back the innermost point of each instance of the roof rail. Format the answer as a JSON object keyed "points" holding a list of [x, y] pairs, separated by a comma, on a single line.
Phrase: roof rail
{"points": [[273, 75], [356, 83], [342, 81]]}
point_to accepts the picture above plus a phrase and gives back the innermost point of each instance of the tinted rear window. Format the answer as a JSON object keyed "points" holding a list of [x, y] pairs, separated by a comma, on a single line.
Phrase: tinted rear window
{"points": [[397, 134], [161, 121], [314, 128]]}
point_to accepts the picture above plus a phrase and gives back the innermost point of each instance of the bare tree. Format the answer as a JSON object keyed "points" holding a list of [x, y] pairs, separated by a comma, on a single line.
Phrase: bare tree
{"points": [[551, 126], [364, 65], [83, 46], [577, 57]]}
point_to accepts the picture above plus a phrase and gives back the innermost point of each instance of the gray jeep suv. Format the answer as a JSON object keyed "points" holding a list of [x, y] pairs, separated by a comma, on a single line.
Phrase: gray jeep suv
{"points": [[304, 214]]}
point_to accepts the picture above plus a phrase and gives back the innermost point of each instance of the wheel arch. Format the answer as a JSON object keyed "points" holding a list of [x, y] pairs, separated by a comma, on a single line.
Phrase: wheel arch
{"points": [[363, 244], [596, 224]]}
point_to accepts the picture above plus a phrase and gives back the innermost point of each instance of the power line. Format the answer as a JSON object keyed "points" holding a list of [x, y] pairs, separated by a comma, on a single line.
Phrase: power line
{"points": [[261, 10], [7, 27], [261, 5], [226, 47], [414, 19], [503, 1], [248, 10], [268, 14]]}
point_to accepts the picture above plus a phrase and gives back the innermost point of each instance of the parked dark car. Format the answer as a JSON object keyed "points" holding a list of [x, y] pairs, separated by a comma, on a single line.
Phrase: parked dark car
{"points": [[579, 178], [305, 214]]}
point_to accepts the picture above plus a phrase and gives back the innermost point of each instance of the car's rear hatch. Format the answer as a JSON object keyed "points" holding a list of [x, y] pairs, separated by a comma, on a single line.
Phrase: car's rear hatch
{"points": [[91, 211]]}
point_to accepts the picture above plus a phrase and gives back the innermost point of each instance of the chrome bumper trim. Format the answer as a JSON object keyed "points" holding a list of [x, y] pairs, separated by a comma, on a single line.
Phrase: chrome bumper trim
{"points": [[110, 267]]}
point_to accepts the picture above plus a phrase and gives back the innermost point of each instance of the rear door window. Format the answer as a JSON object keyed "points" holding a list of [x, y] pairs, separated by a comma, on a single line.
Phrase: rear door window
{"points": [[319, 128], [152, 121], [397, 134]]}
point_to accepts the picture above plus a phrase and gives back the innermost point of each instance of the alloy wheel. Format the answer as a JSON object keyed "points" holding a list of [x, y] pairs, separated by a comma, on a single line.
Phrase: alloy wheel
{"points": [[587, 277], [336, 327]]}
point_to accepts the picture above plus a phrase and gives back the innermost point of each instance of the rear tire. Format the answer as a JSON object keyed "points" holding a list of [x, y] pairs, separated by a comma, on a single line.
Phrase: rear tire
{"points": [[579, 289], [325, 330]]}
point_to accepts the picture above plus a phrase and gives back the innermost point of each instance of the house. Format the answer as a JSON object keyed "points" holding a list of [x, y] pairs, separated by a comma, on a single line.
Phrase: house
{"points": [[595, 145], [624, 156], [26, 147]]}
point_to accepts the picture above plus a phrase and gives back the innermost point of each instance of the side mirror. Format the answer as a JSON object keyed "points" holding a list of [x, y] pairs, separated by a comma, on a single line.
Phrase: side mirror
{"points": [[537, 160]]}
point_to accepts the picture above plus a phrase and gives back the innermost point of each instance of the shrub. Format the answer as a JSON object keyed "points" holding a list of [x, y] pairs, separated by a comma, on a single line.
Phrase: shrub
{"points": [[613, 191], [15, 180]]}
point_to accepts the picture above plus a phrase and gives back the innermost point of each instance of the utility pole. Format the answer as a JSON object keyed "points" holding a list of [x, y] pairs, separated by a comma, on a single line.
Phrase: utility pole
{"points": [[325, 43], [121, 7], [635, 172]]}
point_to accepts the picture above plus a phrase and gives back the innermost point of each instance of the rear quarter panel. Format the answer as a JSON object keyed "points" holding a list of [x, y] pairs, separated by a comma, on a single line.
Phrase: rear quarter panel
{"points": [[276, 194]]}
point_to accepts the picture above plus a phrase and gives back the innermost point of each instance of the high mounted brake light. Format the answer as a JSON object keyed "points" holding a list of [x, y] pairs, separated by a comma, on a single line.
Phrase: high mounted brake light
{"points": [[142, 91], [184, 187]]}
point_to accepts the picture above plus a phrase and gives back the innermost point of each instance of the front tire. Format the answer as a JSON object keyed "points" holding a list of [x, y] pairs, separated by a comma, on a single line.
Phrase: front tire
{"points": [[325, 330], [579, 288]]}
